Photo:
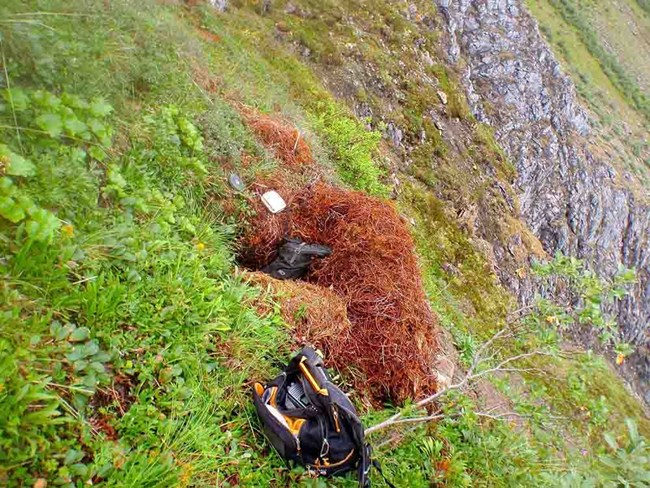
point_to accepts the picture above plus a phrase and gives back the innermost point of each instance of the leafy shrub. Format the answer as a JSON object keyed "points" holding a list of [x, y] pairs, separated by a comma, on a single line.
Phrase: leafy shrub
{"points": [[135, 285], [594, 294], [624, 463], [50, 129]]}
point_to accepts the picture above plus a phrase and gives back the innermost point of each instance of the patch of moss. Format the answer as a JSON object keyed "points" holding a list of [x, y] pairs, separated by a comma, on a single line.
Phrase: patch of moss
{"points": [[586, 390], [492, 153], [457, 105], [449, 254]]}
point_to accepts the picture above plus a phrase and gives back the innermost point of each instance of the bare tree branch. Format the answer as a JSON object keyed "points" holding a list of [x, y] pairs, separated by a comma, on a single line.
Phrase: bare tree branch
{"points": [[412, 420], [473, 373], [502, 416]]}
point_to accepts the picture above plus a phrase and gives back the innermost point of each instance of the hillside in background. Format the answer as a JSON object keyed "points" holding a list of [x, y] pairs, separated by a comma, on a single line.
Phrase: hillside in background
{"points": [[605, 48], [132, 326]]}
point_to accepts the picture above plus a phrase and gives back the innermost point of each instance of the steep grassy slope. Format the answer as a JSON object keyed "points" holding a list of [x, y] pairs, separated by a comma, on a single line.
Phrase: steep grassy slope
{"points": [[126, 322], [128, 342], [604, 47], [625, 31]]}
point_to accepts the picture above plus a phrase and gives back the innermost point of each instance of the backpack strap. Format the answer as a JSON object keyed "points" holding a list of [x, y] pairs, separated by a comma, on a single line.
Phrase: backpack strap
{"points": [[311, 370], [366, 462]]}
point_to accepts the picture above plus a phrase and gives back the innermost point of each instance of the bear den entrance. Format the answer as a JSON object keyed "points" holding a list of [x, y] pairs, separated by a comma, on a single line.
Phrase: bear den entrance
{"points": [[388, 344]]}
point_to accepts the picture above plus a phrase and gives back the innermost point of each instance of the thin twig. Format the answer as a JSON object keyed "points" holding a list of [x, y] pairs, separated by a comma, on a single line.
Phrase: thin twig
{"points": [[471, 375], [83, 280], [29, 22], [502, 416], [296, 143], [412, 420], [10, 95], [57, 14]]}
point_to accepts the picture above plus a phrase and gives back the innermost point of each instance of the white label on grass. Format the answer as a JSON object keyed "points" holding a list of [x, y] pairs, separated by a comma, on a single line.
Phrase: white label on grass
{"points": [[273, 201]]}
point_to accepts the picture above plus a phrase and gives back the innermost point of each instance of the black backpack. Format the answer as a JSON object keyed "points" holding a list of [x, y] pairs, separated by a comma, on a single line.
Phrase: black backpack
{"points": [[311, 422], [294, 258]]}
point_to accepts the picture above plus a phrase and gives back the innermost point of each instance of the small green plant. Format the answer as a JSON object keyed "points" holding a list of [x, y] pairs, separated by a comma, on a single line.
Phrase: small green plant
{"points": [[624, 462], [354, 147], [594, 294]]}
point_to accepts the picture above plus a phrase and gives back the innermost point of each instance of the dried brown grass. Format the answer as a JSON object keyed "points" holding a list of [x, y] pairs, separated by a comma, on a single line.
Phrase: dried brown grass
{"points": [[373, 270], [317, 316]]}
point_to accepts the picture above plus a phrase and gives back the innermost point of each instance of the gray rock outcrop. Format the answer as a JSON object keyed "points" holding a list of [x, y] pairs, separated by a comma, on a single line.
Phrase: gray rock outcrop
{"points": [[220, 5], [572, 200]]}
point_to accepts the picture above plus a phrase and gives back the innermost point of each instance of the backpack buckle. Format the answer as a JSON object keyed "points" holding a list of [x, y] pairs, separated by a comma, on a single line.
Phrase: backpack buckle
{"points": [[325, 447]]}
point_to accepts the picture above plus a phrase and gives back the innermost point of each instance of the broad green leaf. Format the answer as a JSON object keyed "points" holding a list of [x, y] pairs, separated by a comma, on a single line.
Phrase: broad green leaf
{"points": [[80, 334], [7, 186], [100, 108], [77, 353], [46, 99], [97, 153], [11, 210], [19, 166], [79, 400], [80, 365], [27, 204], [632, 430], [73, 101], [16, 99], [74, 127], [105, 140], [115, 177], [92, 348], [90, 380], [55, 327], [98, 367], [610, 440], [42, 225], [79, 469], [134, 276], [102, 357], [15, 164], [72, 456], [97, 127], [63, 332], [50, 123]]}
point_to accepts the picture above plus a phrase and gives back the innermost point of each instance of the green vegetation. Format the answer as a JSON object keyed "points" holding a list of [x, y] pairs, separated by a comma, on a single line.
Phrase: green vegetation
{"points": [[644, 4], [347, 144], [353, 147], [441, 241], [602, 47], [120, 312], [457, 104], [610, 65], [127, 341]]}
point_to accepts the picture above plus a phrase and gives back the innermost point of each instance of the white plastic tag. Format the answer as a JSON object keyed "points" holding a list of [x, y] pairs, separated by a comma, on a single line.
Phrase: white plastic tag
{"points": [[273, 201]]}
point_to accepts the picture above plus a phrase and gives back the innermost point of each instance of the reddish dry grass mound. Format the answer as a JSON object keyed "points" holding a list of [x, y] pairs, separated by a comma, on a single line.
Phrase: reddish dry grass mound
{"points": [[391, 345], [374, 270], [285, 141], [317, 315]]}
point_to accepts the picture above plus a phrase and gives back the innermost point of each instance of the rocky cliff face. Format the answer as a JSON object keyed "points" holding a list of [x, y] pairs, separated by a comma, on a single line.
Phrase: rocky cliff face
{"points": [[573, 200]]}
